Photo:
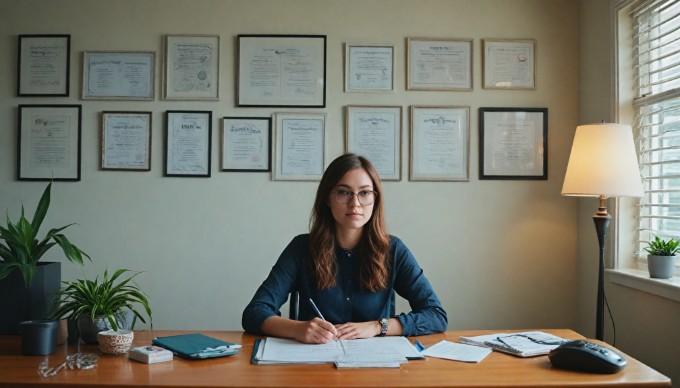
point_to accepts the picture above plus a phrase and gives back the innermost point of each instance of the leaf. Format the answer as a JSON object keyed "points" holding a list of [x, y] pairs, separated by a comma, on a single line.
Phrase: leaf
{"points": [[42, 208]]}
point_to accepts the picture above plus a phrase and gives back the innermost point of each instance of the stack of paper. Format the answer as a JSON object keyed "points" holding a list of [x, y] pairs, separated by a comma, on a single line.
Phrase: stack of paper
{"points": [[378, 352], [523, 344]]}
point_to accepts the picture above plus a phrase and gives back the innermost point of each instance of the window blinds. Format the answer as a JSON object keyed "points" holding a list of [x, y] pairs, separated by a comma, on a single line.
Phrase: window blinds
{"points": [[656, 59]]}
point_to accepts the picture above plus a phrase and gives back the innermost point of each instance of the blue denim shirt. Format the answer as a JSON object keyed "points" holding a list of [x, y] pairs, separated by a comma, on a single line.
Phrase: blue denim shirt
{"points": [[347, 301]]}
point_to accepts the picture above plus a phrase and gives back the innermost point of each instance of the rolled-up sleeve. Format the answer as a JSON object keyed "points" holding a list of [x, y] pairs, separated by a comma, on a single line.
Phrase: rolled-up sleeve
{"points": [[427, 315], [274, 291]]}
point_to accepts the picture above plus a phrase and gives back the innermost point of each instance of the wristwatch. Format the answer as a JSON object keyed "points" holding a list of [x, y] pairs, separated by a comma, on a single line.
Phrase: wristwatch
{"points": [[384, 323]]}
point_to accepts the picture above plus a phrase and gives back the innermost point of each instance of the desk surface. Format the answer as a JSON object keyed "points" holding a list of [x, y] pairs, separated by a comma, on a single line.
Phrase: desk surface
{"points": [[496, 370]]}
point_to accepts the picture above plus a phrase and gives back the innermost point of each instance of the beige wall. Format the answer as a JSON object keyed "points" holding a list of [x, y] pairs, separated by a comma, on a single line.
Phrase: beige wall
{"points": [[501, 254], [646, 325]]}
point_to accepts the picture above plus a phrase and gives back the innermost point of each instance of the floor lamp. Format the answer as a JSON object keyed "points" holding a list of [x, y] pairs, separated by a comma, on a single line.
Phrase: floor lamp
{"points": [[603, 163]]}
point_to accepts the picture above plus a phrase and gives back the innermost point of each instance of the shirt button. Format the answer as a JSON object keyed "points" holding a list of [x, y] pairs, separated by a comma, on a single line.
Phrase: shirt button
{"points": [[348, 299]]}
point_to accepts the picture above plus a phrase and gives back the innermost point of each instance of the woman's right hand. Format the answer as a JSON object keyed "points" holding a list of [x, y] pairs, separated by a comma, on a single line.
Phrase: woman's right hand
{"points": [[316, 331]]}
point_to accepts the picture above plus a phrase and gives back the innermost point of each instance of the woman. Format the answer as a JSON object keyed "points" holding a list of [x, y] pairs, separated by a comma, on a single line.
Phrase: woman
{"points": [[348, 266]]}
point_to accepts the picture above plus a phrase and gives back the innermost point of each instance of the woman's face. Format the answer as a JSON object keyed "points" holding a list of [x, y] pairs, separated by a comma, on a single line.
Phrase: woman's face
{"points": [[352, 215]]}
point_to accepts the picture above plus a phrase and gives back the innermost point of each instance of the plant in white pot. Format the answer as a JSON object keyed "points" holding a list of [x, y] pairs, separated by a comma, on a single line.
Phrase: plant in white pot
{"points": [[661, 257], [22, 275], [110, 306]]}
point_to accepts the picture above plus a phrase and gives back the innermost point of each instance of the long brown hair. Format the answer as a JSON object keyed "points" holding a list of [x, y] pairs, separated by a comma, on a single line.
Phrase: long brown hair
{"points": [[373, 247]]}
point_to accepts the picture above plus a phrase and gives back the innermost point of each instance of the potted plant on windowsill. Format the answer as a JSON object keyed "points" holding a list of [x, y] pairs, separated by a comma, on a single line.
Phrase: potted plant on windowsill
{"points": [[92, 306], [29, 281], [661, 257]]}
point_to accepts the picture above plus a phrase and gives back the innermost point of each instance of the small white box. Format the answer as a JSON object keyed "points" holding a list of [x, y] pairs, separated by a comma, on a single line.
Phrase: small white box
{"points": [[150, 354]]}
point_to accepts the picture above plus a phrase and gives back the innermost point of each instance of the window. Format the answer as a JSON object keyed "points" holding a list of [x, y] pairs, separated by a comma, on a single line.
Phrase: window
{"points": [[656, 104]]}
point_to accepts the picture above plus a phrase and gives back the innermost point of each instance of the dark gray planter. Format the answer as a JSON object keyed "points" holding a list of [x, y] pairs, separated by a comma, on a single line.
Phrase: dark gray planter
{"points": [[18, 303]]}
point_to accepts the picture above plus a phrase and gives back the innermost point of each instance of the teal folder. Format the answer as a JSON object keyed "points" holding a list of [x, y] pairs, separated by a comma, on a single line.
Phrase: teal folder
{"points": [[197, 346]]}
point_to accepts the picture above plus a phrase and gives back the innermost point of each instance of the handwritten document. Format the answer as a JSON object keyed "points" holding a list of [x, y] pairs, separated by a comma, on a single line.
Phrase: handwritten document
{"points": [[370, 352]]}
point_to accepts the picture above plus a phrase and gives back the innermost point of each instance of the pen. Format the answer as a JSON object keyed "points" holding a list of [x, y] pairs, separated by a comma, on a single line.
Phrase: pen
{"points": [[316, 309]]}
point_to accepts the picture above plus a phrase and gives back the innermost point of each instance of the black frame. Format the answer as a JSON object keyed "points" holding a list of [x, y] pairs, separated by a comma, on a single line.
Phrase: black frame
{"points": [[79, 109], [485, 176], [67, 76], [208, 146]]}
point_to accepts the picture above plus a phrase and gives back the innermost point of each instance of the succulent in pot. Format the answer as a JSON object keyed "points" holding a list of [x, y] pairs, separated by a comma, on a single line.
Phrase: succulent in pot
{"points": [[96, 306], [661, 257]]}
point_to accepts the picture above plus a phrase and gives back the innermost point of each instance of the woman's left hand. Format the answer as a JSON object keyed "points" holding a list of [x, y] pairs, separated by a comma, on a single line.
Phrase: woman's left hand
{"points": [[354, 330]]}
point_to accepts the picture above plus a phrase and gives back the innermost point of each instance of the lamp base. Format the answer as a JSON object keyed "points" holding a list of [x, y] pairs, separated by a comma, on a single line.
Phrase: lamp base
{"points": [[602, 222]]}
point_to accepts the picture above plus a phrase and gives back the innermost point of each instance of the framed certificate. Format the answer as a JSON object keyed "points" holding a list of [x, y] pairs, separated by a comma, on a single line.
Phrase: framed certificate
{"points": [[439, 64], [375, 133], [513, 143], [509, 64], [282, 71], [188, 143], [246, 144], [440, 143], [122, 75], [300, 146], [44, 65], [192, 65], [369, 68], [126, 141], [49, 142]]}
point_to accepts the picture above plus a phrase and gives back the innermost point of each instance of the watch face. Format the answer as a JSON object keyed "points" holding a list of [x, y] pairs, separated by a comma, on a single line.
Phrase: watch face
{"points": [[384, 322]]}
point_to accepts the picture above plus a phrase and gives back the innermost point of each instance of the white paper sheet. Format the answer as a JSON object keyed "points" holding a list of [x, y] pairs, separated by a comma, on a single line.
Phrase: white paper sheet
{"points": [[457, 352]]}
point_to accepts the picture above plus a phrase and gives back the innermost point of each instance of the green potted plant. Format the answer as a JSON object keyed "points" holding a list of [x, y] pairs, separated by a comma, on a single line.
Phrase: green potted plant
{"points": [[94, 306], [661, 257], [22, 275]]}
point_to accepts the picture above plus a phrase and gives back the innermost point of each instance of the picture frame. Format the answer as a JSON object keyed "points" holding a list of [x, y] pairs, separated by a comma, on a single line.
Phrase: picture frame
{"points": [[513, 143], [509, 64], [300, 152], [247, 144], [375, 133], [49, 139], [281, 71], [43, 65], [439, 64], [440, 143], [188, 141], [369, 68], [192, 64], [118, 75], [126, 141]]}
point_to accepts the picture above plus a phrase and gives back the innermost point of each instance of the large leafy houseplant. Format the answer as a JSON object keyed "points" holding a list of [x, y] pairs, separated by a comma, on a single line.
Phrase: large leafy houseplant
{"points": [[90, 299], [21, 248]]}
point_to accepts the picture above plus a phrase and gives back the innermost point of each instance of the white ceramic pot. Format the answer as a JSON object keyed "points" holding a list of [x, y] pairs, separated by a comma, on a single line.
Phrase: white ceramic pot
{"points": [[661, 267]]}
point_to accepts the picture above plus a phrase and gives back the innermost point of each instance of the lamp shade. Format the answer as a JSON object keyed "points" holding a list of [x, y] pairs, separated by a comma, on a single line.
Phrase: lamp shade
{"points": [[603, 161]]}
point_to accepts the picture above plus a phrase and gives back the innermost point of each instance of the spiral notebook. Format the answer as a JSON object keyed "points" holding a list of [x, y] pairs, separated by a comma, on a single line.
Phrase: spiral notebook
{"points": [[523, 344]]}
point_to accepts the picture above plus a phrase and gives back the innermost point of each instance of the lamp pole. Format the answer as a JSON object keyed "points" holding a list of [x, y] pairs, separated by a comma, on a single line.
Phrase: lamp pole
{"points": [[602, 220]]}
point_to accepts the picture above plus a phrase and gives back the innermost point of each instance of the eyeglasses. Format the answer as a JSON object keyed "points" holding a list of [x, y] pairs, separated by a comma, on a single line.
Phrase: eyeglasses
{"points": [[365, 197]]}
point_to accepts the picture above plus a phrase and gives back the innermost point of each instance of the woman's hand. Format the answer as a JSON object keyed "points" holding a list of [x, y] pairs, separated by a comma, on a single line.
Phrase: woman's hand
{"points": [[316, 331], [354, 330]]}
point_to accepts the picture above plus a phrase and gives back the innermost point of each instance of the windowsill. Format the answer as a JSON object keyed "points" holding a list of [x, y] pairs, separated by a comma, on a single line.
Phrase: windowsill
{"points": [[640, 280]]}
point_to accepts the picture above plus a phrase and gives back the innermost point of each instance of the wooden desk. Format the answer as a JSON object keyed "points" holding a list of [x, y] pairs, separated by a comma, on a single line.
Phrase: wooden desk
{"points": [[496, 370]]}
